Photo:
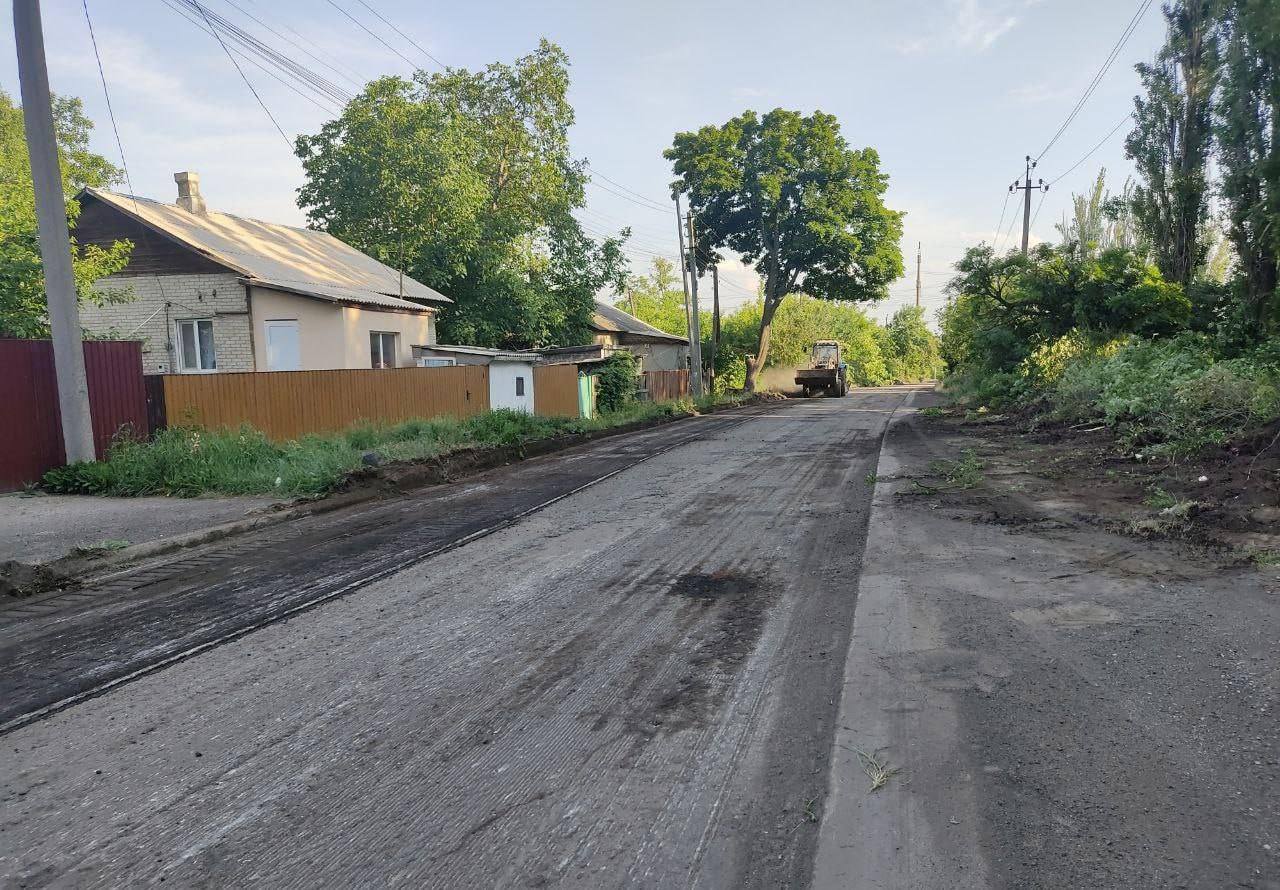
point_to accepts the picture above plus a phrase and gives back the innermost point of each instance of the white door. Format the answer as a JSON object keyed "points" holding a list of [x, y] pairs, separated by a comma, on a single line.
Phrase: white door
{"points": [[284, 352], [511, 386]]}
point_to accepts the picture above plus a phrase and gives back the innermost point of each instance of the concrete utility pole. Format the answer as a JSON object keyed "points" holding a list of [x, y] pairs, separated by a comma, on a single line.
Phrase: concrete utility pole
{"points": [[919, 249], [1027, 188], [55, 240], [695, 328], [684, 268], [715, 322]]}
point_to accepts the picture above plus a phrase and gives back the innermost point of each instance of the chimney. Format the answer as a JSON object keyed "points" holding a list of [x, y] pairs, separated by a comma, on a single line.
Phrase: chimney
{"points": [[189, 198]]}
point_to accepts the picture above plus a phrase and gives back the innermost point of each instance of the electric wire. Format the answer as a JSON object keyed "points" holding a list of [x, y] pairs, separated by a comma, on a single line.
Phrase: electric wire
{"points": [[345, 73], [1091, 151], [390, 25], [1143, 6], [361, 25], [245, 78]]}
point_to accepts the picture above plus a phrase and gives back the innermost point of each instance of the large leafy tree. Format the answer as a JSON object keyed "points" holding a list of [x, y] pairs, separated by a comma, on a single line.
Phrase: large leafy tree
{"points": [[464, 179], [1002, 308], [23, 308], [1172, 139], [1248, 136], [788, 193]]}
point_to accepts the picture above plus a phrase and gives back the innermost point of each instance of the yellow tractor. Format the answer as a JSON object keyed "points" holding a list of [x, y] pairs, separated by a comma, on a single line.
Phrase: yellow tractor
{"points": [[826, 372]]}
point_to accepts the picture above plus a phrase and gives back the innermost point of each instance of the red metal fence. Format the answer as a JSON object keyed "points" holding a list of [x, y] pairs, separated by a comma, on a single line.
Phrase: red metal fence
{"points": [[31, 441]]}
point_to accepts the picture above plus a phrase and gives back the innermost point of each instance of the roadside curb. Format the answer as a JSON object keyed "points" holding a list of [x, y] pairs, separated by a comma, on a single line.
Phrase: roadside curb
{"points": [[389, 481]]}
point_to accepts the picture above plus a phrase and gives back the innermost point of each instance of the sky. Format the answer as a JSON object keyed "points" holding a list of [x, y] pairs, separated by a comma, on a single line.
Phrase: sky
{"points": [[951, 93]]}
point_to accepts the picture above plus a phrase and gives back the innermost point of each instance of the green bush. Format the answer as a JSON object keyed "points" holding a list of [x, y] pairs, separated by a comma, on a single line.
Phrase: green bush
{"points": [[616, 382]]}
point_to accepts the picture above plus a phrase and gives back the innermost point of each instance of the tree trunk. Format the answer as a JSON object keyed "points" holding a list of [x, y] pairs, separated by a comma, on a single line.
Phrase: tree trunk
{"points": [[755, 364]]}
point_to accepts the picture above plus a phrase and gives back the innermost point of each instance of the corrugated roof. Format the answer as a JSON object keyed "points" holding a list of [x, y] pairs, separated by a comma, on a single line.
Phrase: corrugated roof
{"points": [[611, 318], [301, 261]]}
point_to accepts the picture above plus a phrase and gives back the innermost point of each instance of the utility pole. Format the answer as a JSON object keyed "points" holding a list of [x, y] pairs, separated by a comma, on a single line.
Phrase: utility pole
{"points": [[1027, 188], [695, 328], [684, 269], [919, 249], [715, 321], [55, 240]]}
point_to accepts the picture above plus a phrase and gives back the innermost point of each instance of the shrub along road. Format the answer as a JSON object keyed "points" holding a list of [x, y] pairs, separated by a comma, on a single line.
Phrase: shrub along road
{"points": [[656, 681]]}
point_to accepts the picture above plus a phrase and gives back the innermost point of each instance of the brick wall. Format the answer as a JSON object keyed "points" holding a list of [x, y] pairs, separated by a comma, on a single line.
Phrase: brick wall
{"points": [[218, 296]]}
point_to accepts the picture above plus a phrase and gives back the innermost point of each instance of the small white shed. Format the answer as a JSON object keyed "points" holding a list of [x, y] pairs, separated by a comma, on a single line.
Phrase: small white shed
{"points": [[510, 373]]}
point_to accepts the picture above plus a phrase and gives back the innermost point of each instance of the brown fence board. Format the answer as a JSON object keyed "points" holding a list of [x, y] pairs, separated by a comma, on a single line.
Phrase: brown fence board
{"points": [[666, 386], [289, 404], [555, 390]]}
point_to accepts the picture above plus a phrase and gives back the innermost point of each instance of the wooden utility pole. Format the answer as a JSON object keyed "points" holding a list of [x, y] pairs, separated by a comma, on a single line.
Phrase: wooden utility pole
{"points": [[695, 323], [919, 249], [55, 240], [1027, 187]]}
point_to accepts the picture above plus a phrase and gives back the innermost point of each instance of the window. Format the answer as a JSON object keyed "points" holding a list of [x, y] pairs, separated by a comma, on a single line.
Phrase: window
{"points": [[195, 345], [284, 349], [519, 386], [382, 349]]}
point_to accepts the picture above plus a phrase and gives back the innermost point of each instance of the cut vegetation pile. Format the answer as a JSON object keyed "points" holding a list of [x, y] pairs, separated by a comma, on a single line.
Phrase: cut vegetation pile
{"points": [[188, 462]]}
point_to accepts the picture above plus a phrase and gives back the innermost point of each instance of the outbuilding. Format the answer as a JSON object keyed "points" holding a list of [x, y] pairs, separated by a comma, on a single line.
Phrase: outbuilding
{"points": [[510, 373]]}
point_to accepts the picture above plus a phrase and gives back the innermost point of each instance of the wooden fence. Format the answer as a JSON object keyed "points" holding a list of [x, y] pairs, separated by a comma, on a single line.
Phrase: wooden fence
{"points": [[555, 390], [289, 404], [666, 386], [32, 439]]}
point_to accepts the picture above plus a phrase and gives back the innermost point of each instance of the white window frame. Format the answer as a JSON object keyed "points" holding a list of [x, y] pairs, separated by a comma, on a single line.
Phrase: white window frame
{"points": [[178, 348], [395, 346]]}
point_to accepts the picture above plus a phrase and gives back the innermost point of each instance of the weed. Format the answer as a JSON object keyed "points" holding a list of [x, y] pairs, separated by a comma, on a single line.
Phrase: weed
{"points": [[871, 478], [963, 473], [1158, 498], [932, 411], [877, 770], [1263, 557], [108, 546]]}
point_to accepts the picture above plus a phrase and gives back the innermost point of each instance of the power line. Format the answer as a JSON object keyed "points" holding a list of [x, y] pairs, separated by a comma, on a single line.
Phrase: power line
{"points": [[243, 76], [107, 95], [361, 25], [415, 43], [1091, 151], [180, 7], [1097, 78], [645, 204], [342, 71], [1004, 208], [359, 78], [657, 204]]}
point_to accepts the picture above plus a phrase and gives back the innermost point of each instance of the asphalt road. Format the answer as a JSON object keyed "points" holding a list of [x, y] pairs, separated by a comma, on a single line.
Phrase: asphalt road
{"points": [[670, 659], [632, 686]]}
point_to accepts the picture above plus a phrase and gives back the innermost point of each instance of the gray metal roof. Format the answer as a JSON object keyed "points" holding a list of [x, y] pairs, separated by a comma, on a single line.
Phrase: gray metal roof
{"points": [[301, 261], [611, 318]]}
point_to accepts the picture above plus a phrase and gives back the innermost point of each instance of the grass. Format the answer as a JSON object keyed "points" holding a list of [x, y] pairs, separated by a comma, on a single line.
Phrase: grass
{"points": [[932, 411], [108, 546], [189, 462], [876, 770], [1265, 558], [1160, 499], [966, 472]]}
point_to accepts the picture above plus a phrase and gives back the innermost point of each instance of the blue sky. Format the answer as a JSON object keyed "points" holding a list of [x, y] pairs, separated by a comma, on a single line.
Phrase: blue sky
{"points": [[952, 93]]}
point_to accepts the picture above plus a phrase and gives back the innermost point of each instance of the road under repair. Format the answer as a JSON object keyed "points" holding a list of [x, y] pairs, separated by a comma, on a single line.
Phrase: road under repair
{"points": [[635, 663]]}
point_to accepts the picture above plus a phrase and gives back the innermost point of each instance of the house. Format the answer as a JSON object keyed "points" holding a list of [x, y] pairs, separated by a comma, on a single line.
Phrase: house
{"points": [[657, 350], [510, 373], [215, 292]]}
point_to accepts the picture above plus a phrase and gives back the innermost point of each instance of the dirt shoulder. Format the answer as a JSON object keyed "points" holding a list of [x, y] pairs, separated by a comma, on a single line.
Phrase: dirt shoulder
{"points": [[1071, 700], [1225, 502]]}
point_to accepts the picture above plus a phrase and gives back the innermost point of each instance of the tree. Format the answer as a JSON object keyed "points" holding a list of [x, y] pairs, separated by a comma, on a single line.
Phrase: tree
{"points": [[464, 180], [23, 306], [1172, 139], [787, 193], [658, 299], [910, 349], [1003, 308], [1246, 115]]}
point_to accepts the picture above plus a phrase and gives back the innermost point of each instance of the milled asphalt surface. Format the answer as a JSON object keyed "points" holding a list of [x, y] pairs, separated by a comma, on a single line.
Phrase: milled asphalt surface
{"points": [[673, 678], [631, 687]]}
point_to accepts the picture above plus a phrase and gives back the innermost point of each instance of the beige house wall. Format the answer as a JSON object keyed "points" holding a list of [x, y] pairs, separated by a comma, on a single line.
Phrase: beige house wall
{"points": [[332, 336]]}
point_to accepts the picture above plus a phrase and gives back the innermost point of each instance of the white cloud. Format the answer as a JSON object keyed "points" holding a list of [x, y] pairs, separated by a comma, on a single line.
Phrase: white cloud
{"points": [[969, 25]]}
